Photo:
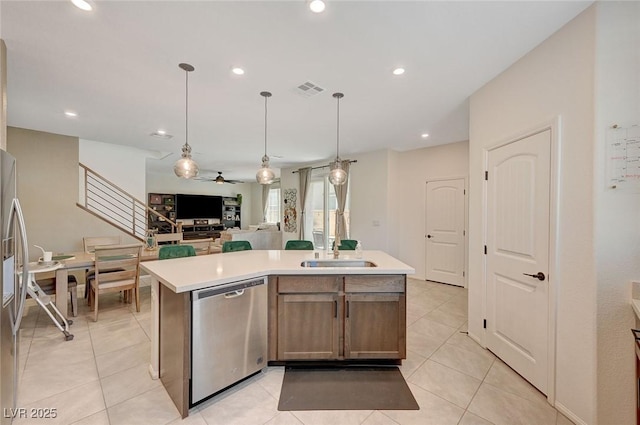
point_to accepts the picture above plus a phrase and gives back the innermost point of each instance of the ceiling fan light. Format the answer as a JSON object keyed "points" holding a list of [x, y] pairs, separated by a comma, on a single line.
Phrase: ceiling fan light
{"points": [[265, 175], [337, 175]]}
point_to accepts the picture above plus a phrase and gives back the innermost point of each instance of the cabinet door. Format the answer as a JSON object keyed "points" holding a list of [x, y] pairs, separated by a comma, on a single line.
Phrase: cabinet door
{"points": [[308, 326], [375, 326]]}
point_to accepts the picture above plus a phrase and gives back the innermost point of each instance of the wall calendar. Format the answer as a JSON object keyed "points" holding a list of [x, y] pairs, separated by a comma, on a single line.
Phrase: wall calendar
{"points": [[623, 157]]}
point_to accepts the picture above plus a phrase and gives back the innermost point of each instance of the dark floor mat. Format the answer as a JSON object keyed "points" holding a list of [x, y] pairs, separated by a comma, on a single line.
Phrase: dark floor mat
{"points": [[345, 388]]}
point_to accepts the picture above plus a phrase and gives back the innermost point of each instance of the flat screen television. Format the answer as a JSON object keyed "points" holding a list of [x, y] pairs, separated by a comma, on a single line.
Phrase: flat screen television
{"points": [[198, 206]]}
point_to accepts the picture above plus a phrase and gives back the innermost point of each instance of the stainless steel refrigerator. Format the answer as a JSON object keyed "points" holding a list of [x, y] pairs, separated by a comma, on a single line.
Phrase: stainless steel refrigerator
{"points": [[14, 253]]}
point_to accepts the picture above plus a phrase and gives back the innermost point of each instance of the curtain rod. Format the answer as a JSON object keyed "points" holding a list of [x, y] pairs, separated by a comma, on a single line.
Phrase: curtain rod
{"points": [[351, 161]]}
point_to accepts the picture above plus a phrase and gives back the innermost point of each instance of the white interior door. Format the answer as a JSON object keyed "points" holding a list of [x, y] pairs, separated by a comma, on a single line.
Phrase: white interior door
{"points": [[517, 263], [445, 231]]}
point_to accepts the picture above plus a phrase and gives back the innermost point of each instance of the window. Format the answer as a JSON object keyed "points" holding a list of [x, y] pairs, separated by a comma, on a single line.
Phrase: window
{"points": [[320, 222], [273, 206]]}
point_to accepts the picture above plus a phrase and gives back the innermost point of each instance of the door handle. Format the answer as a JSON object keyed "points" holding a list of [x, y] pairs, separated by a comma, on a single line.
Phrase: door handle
{"points": [[21, 290], [234, 294], [540, 276], [428, 236]]}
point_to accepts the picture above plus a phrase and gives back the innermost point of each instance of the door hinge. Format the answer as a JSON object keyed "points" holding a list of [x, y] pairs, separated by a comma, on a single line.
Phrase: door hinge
{"points": [[462, 274], [464, 233], [484, 323], [485, 250], [486, 175], [464, 191]]}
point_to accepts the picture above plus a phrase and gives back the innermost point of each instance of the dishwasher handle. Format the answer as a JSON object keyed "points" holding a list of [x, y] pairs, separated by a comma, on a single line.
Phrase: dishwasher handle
{"points": [[234, 294]]}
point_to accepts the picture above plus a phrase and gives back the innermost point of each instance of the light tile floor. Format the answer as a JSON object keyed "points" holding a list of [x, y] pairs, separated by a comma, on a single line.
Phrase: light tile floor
{"points": [[101, 377]]}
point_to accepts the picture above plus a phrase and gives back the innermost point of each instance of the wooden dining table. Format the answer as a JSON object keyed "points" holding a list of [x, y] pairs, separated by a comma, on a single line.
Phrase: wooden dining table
{"points": [[80, 261], [84, 261]]}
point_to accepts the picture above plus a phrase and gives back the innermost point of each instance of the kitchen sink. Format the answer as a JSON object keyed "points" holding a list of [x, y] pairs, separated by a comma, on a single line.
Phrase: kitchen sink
{"points": [[338, 263]]}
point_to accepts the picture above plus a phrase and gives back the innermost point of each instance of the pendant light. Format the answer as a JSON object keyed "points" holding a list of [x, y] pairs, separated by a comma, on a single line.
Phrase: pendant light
{"points": [[265, 175], [337, 175], [186, 167]]}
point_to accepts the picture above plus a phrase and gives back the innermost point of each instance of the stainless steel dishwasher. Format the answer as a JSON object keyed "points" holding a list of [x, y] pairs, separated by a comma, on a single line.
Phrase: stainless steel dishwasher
{"points": [[229, 335]]}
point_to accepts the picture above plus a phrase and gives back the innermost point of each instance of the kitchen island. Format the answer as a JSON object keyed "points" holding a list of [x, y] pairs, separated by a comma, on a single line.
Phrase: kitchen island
{"points": [[317, 308]]}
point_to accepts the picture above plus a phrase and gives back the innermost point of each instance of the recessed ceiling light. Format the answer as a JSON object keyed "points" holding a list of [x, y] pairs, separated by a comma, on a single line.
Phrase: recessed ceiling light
{"points": [[162, 134], [398, 71], [424, 135], [317, 6], [70, 114], [82, 4], [237, 70]]}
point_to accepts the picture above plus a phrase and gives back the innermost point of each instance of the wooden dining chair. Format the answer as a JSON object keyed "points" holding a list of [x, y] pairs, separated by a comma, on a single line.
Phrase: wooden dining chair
{"points": [[117, 268], [202, 246], [48, 285], [90, 242], [172, 238]]}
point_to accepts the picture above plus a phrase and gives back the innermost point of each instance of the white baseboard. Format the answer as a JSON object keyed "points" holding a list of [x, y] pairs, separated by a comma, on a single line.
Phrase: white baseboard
{"points": [[153, 373], [569, 414]]}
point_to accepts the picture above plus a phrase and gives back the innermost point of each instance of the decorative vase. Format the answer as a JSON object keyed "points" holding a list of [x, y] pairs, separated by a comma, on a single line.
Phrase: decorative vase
{"points": [[151, 242]]}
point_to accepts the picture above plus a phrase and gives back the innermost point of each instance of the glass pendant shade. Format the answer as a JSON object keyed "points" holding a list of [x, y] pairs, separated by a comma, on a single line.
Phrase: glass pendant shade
{"points": [[337, 175], [186, 167], [265, 175]]}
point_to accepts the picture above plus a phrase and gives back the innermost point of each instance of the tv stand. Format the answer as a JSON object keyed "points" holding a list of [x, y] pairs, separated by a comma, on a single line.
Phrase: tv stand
{"points": [[201, 231]]}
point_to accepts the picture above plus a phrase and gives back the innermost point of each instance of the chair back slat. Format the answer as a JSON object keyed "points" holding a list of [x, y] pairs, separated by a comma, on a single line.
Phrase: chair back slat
{"points": [[202, 246], [170, 237], [90, 242], [117, 262], [117, 268]]}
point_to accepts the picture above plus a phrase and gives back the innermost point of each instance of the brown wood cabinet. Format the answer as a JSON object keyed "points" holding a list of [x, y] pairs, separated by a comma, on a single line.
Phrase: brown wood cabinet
{"points": [[338, 317], [308, 326]]}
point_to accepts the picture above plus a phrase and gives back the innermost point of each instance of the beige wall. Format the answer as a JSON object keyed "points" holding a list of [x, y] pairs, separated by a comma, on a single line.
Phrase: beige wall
{"points": [[617, 211], [556, 79], [47, 167], [414, 169], [3, 95]]}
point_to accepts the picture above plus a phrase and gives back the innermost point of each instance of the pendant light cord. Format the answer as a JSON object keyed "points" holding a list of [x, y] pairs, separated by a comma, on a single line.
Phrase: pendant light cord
{"points": [[265, 125], [338, 131], [186, 109]]}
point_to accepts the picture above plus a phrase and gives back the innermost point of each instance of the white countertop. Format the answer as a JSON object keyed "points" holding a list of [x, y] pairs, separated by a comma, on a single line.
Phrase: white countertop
{"points": [[192, 273]]}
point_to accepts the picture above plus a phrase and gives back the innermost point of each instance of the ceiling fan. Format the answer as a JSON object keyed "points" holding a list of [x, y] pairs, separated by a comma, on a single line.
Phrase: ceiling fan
{"points": [[219, 179]]}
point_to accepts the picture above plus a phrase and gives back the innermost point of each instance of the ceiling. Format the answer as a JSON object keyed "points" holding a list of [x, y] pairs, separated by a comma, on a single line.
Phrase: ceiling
{"points": [[117, 67]]}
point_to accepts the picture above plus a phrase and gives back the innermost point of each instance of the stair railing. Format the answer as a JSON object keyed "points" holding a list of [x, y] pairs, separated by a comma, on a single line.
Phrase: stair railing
{"points": [[107, 201]]}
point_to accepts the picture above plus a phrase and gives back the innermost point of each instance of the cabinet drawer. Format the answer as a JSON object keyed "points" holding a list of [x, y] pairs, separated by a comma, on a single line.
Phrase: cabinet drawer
{"points": [[375, 283], [308, 284]]}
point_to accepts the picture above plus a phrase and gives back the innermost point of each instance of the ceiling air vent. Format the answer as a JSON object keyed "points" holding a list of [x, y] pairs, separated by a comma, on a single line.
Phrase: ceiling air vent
{"points": [[308, 89]]}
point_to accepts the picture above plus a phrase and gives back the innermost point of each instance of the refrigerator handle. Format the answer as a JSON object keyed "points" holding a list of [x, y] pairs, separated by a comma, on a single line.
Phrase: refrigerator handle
{"points": [[16, 213]]}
